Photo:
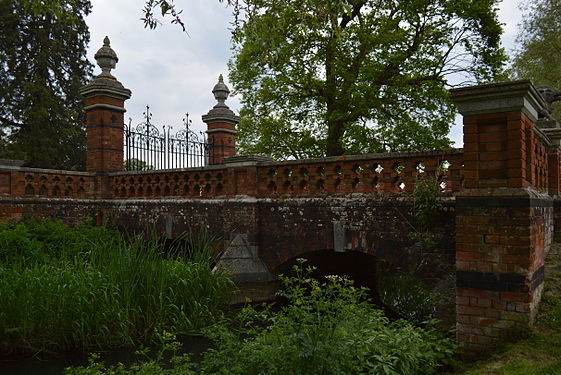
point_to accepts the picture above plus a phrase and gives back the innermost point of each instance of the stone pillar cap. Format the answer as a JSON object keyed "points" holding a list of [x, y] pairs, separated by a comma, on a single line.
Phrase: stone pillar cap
{"points": [[499, 97], [105, 83]]}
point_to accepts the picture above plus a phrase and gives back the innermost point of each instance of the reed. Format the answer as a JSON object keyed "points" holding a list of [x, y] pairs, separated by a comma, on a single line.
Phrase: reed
{"points": [[86, 288]]}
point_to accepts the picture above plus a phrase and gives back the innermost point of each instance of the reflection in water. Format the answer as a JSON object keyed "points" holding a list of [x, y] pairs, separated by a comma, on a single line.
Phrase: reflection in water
{"points": [[55, 364]]}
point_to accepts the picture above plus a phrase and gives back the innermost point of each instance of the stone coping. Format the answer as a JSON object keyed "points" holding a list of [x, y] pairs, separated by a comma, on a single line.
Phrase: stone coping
{"points": [[43, 170], [264, 161]]}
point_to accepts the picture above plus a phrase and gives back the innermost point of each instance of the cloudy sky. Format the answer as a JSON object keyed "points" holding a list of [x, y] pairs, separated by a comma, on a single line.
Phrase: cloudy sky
{"points": [[174, 72]]}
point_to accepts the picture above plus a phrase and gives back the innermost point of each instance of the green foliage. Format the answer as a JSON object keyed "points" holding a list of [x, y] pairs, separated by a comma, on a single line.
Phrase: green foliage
{"points": [[426, 204], [408, 296], [327, 328], [86, 288], [179, 364], [134, 164], [540, 43], [43, 63], [340, 76]]}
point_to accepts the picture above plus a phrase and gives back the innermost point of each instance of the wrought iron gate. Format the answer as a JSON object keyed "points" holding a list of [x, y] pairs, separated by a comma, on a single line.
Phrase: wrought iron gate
{"points": [[148, 148]]}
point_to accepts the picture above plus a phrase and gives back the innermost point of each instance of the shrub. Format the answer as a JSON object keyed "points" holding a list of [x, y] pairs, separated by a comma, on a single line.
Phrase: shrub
{"points": [[327, 328]]}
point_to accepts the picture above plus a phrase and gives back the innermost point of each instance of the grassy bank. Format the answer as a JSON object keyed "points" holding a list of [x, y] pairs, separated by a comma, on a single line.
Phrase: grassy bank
{"points": [[86, 288]]}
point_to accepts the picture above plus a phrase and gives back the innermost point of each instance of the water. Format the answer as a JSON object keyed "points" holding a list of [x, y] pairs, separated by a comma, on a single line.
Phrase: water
{"points": [[50, 364]]}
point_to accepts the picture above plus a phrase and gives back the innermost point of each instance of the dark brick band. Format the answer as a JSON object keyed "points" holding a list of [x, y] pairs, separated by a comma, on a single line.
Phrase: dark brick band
{"points": [[104, 108], [497, 202], [104, 126], [498, 282], [538, 278], [105, 149]]}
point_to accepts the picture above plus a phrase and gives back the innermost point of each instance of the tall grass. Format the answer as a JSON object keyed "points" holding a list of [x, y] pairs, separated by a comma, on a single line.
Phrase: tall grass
{"points": [[86, 288]]}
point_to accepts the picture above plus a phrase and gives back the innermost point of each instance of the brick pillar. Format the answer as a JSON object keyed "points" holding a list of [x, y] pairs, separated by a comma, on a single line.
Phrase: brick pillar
{"points": [[221, 126], [552, 129], [504, 216], [105, 107]]}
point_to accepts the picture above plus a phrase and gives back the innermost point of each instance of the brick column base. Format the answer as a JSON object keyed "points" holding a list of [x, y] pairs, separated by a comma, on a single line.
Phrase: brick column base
{"points": [[501, 239]]}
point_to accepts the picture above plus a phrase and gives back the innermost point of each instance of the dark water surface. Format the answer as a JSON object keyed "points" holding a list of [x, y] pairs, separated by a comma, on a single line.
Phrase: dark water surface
{"points": [[50, 364]]}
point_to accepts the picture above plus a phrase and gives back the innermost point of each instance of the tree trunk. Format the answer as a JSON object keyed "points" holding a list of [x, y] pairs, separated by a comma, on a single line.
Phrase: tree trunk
{"points": [[335, 132]]}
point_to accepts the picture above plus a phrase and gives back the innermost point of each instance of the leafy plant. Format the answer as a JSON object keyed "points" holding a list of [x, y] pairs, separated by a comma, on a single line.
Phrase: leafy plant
{"points": [[327, 328], [426, 204]]}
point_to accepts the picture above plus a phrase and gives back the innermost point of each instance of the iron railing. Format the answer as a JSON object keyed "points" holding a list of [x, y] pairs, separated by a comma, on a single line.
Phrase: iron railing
{"points": [[148, 148]]}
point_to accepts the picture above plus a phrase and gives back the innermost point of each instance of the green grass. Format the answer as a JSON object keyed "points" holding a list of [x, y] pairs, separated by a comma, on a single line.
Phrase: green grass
{"points": [[86, 288]]}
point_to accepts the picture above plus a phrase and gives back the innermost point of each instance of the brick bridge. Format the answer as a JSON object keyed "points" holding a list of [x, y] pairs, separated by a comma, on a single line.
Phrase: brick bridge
{"points": [[499, 193]]}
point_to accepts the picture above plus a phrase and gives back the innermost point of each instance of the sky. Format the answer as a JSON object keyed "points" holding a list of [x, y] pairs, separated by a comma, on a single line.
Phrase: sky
{"points": [[174, 72]]}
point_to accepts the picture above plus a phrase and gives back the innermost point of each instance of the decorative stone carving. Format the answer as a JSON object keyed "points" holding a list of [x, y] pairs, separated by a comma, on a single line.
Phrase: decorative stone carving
{"points": [[106, 59], [220, 112], [550, 95], [105, 82]]}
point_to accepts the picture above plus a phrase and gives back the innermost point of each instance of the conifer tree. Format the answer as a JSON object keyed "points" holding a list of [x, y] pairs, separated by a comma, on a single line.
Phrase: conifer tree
{"points": [[43, 64]]}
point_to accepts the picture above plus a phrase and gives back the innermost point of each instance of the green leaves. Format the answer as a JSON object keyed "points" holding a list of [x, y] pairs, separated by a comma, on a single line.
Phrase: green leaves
{"points": [[540, 44], [43, 57], [85, 288], [329, 68], [326, 328]]}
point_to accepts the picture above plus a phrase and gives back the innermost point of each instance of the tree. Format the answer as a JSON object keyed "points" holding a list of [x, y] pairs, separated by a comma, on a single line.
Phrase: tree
{"points": [[134, 164], [43, 64], [328, 77], [540, 46]]}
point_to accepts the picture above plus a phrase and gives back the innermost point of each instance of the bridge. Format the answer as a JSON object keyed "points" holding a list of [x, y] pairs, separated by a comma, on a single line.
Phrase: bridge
{"points": [[500, 200]]}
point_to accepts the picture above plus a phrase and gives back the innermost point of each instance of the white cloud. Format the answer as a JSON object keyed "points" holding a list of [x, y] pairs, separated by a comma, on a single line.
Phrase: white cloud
{"points": [[172, 71]]}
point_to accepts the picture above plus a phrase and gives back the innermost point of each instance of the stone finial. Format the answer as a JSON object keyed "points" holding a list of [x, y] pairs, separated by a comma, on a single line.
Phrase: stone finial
{"points": [[221, 112], [106, 58], [221, 93]]}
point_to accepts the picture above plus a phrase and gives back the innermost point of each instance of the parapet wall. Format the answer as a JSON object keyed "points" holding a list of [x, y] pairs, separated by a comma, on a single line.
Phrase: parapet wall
{"points": [[372, 174]]}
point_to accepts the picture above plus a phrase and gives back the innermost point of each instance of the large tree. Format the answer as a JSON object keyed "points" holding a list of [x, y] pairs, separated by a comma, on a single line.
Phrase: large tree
{"points": [[43, 64], [539, 55], [328, 77]]}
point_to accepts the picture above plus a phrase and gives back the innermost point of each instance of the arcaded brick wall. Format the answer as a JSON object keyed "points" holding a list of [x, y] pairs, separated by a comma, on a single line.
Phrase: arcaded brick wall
{"points": [[393, 173]]}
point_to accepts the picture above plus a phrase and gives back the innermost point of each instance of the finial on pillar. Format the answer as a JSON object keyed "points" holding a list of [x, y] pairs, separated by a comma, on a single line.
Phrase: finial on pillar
{"points": [[105, 107], [221, 93], [106, 59], [221, 125], [220, 112]]}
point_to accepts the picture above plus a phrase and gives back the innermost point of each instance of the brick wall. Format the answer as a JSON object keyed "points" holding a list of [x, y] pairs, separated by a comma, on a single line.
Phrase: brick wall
{"points": [[504, 217], [393, 173], [500, 193]]}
